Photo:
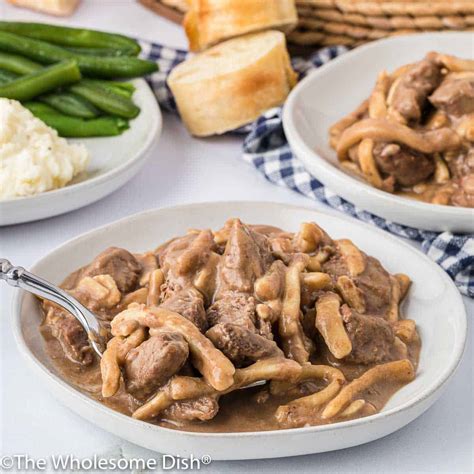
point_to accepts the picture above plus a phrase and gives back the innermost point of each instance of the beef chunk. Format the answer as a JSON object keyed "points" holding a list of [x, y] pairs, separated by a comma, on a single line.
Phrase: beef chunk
{"points": [[202, 409], [463, 196], [119, 273], [376, 287], [415, 85], [309, 297], [70, 334], [170, 251], [149, 264], [372, 337], [374, 282], [408, 167], [120, 264], [234, 308], [182, 261], [242, 346], [263, 247], [189, 304], [454, 96], [247, 257], [153, 362], [295, 416], [186, 254]]}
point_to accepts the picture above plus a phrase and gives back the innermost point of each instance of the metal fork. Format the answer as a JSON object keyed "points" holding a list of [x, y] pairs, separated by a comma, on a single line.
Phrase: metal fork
{"points": [[21, 278]]}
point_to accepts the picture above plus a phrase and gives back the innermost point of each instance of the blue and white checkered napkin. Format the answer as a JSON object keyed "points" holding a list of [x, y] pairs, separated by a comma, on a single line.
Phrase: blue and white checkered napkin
{"points": [[266, 148]]}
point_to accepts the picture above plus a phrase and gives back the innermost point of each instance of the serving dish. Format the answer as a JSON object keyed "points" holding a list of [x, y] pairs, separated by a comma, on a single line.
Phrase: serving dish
{"points": [[434, 302], [332, 91], [114, 161]]}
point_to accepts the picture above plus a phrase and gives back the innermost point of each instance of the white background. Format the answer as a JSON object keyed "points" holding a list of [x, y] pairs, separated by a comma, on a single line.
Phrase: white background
{"points": [[184, 170]]}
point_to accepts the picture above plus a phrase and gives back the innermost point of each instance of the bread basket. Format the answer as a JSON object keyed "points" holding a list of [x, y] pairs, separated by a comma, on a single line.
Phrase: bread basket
{"points": [[353, 22]]}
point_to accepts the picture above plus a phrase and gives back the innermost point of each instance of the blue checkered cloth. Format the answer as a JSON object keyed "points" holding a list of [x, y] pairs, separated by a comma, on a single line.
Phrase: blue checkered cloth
{"points": [[266, 148]]}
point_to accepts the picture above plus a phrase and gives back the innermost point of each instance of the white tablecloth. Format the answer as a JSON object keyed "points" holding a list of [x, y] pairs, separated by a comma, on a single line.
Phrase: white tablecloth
{"points": [[183, 170]]}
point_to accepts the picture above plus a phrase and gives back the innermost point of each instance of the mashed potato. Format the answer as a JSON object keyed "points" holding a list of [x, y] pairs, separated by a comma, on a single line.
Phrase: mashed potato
{"points": [[33, 158]]}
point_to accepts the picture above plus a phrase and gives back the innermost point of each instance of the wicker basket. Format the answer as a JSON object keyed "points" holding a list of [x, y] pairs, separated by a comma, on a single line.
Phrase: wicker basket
{"points": [[353, 22], [173, 10]]}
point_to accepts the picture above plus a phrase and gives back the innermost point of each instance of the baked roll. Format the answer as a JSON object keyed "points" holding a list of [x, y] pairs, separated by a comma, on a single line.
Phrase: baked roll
{"points": [[209, 22], [231, 84], [53, 7]]}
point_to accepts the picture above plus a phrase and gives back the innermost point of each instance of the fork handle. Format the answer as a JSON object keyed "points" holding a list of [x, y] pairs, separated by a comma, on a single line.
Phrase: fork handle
{"points": [[21, 278], [9, 273]]}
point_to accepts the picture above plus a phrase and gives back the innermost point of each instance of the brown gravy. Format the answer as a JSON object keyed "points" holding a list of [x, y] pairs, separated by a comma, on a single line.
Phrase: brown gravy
{"points": [[239, 411], [252, 409]]}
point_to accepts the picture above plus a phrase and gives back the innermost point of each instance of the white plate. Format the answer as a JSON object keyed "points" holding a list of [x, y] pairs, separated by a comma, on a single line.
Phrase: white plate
{"points": [[336, 89], [114, 161], [434, 303]]}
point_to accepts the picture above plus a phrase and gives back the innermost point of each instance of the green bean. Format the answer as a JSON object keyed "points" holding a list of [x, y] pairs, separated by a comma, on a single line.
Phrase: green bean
{"points": [[31, 85], [74, 37], [65, 102], [114, 87], [115, 100], [70, 104], [6, 76], [73, 127], [124, 85], [105, 100], [98, 51], [89, 65], [18, 64], [120, 91], [21, 65]]}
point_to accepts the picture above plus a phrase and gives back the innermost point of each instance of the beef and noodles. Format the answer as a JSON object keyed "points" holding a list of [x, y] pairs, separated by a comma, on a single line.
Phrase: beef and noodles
{"points": [[194, 325], [414, 135]]}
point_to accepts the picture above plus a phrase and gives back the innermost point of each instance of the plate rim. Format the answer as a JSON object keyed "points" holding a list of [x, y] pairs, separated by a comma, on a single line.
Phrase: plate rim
{"points": [[424, 394], [155, 131], [296, 141]]}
